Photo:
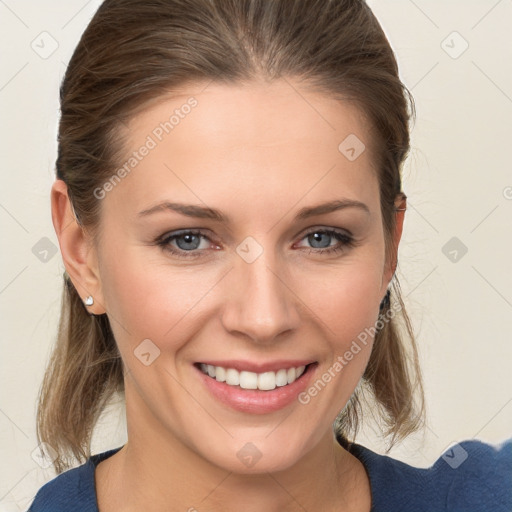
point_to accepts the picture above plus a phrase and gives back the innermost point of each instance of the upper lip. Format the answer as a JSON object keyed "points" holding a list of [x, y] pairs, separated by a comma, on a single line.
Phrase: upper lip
{"points": [[251, 366]]}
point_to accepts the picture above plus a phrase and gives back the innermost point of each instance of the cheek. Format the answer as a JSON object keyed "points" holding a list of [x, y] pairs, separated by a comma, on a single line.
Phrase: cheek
{"points": [[345, 298], [148, 298], [152, 300], [345, 302]]}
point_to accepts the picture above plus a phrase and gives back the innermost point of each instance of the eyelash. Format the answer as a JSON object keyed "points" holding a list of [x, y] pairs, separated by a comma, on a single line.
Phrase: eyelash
{"points": [[347, 242]]}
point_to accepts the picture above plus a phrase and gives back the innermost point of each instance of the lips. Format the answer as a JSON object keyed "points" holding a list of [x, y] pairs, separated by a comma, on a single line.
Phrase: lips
{"points": [[256, 400]]}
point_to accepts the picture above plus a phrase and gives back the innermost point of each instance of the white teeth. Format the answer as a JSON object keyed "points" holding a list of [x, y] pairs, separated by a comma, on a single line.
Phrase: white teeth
{"points": [[232, 377], [267, 381], [281, 379], [249, 380], [220, 374]]}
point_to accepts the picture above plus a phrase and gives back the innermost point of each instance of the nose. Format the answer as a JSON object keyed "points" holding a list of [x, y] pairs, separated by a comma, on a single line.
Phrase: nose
{"points": [[260, 303]]}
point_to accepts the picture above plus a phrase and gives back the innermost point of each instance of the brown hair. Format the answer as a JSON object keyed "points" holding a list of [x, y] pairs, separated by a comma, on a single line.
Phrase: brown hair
{"points": [[134, 52]]}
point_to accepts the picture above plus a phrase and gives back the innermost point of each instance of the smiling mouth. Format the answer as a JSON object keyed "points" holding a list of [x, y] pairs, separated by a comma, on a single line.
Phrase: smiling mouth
{"points": [[265, 381]]}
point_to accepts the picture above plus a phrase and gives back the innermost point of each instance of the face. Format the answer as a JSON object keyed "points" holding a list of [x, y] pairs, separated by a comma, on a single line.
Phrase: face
{"points": [[251, 276]]}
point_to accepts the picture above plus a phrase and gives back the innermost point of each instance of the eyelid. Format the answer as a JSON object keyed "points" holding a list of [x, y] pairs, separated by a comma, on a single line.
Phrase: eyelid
{"points": [[205, 232], [165, 240], [314, 229], [172, 235], [343, 236]]}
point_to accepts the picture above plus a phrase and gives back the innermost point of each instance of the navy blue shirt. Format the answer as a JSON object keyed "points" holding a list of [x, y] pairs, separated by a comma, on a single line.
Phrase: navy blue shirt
{"points": [[471, 476]]}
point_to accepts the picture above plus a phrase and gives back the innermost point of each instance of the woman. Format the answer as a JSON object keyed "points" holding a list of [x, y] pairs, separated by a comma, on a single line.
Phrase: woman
{"points": [[229, 208]]}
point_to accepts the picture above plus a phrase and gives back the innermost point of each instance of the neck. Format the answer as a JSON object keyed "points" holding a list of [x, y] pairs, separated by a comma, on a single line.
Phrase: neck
{"points": [[161, 470]]}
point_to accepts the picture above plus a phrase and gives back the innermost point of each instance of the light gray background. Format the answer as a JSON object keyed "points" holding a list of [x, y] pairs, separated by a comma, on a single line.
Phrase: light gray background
{"points": [[458, 180]]}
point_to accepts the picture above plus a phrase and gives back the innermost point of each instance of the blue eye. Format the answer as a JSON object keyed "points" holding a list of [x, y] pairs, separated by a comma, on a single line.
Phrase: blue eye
{"points": [[319, 236], [186, 243], [190, 241]]}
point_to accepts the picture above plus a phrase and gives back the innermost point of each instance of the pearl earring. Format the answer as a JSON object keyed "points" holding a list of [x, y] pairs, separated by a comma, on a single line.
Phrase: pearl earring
{"points": [[89, 301]]}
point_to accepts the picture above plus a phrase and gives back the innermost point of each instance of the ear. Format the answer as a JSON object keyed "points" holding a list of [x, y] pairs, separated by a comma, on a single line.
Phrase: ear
{"points": [[78, 252], [400, 208]]}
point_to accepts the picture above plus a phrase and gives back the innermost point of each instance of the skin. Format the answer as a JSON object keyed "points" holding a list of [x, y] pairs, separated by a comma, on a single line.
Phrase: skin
{"points": [[259, 153]]}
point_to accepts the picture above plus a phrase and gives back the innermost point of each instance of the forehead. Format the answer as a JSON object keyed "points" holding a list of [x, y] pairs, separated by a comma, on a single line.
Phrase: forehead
{"points": [[254, 139], [249, 114]]}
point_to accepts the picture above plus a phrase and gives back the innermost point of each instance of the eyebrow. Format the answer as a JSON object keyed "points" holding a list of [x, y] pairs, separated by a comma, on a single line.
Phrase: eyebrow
{"points": [[191, 210]]}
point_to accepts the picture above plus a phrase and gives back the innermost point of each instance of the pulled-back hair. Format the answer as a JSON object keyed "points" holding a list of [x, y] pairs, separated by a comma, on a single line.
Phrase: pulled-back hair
{"points": [[134, 52]]}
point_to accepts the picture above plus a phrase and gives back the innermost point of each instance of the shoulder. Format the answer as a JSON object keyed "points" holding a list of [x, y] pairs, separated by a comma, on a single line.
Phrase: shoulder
{"points": [[470, 476], [72, 489], [479, 475]]}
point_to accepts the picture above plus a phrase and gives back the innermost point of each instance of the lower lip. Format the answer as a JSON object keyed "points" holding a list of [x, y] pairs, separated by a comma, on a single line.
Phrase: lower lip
{"points": [[255, 401]]}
